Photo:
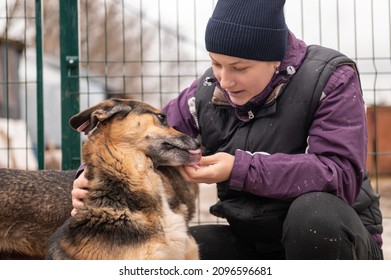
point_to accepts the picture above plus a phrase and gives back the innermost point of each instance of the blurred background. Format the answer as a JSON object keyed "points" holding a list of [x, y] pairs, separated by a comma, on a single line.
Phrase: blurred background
{"points": [[59, 57]]}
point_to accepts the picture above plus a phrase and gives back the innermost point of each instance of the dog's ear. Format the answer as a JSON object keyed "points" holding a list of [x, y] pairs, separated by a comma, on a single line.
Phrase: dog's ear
{"points": [[88, 119]]}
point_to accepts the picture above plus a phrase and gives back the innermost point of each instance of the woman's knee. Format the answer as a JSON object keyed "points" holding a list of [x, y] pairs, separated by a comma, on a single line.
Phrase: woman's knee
{"points": [[315, 210], [315, 228]]}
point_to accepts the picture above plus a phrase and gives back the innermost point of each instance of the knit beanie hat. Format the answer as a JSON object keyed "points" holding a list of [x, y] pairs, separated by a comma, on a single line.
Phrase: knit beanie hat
{"points": [[250, 29]]}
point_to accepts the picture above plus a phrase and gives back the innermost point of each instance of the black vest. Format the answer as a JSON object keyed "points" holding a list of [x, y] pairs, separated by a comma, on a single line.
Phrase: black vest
{"points": [[278, 127], [281, 126]]}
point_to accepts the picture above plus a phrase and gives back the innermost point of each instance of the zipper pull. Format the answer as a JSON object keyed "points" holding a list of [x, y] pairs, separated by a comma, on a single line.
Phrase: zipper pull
{"points": [[209, 81], [250, 115]]}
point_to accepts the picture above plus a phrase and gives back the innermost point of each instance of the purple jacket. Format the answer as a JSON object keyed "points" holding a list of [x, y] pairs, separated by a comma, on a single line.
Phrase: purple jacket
{"points": [[337, 142]]}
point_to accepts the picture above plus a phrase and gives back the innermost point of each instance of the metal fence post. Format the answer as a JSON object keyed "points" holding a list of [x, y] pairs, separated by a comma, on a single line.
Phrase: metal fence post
{"points": [[70, 105], [40, 101]]}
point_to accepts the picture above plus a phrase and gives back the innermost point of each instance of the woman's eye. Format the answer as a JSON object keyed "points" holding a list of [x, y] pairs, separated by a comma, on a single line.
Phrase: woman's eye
{"points": [[216, 65], [239, 69]]}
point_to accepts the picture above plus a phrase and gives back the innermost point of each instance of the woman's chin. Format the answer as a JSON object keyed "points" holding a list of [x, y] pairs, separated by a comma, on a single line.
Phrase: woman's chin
{"points": [[238, 101]]}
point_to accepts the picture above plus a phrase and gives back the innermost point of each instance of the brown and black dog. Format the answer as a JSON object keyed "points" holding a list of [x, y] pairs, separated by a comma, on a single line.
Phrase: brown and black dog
{"points": [[139, 206]]}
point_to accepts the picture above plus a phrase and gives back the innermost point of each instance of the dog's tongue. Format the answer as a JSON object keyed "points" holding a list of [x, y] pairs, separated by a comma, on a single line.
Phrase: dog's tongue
{"points": [[195, 156]]}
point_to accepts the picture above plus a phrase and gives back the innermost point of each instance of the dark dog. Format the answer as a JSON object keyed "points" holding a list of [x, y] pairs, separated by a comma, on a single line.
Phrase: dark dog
{"points": [[33, 205], [139, 207]]}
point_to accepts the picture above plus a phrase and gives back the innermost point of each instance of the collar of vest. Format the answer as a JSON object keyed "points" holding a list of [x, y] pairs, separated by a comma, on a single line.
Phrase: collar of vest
{"points": [[246, 112]]}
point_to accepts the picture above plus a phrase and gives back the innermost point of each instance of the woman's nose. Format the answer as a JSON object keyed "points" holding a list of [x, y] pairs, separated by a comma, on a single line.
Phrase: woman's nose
{"points": [[225, 79]]}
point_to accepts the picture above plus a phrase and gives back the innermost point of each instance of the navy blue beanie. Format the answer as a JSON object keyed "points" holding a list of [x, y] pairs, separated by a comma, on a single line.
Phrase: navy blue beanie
{"points": [[250, 29]]}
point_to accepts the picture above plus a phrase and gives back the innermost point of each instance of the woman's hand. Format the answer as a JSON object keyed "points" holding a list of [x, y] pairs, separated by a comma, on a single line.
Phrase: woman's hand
{"points": [[79, 192], [211, 169]]}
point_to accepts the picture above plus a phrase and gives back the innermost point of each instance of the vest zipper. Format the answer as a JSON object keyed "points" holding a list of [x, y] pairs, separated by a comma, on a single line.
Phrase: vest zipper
{"points": [[250, 115]]}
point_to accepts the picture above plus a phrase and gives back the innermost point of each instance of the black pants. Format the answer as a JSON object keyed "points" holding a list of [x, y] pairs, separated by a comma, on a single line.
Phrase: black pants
{"points": [[318, 226]]}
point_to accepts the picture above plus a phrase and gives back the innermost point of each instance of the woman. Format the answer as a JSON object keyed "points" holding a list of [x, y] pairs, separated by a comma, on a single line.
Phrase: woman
{"points": [[283, 129]]}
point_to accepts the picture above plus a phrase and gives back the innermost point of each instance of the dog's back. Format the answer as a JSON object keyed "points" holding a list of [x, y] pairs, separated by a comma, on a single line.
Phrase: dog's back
{"points": [[33, 205]]}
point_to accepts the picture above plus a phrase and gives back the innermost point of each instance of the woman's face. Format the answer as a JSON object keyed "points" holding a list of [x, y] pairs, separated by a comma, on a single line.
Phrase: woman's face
{"points": [[242, 78]]}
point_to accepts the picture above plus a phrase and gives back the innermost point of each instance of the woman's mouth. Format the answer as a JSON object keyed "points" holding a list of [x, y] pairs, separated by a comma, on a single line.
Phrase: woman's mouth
{"points": [[237, 93]]}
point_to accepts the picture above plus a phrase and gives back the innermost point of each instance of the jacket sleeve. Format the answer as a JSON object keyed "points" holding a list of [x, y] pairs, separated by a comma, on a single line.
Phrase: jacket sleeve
{"points": [[335, 157], [181, 112]]}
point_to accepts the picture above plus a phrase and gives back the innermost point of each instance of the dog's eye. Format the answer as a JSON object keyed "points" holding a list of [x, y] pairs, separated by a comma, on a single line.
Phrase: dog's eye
{"points": [[162, 118]]}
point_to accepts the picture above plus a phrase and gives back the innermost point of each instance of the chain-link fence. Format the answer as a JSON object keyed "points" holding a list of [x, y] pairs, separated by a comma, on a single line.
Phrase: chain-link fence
{"points": [[57, 57]]}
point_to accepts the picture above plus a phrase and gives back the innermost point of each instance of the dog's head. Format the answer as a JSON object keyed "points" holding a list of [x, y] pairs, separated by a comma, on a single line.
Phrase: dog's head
{"points": [[132, 124]]}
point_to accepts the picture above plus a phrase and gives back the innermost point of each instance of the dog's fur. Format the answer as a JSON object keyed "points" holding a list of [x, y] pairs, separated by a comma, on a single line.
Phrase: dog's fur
{"points": [[33, 205], [139, 206]]}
